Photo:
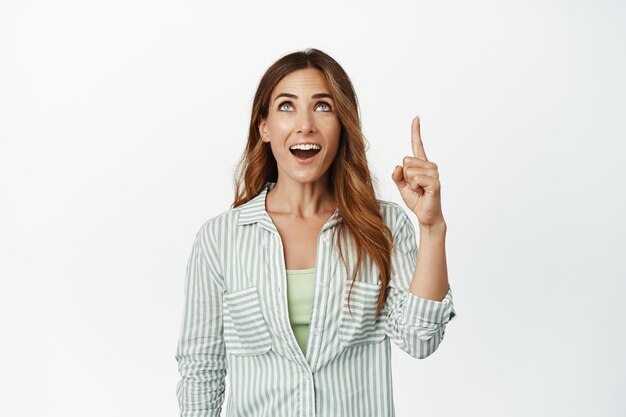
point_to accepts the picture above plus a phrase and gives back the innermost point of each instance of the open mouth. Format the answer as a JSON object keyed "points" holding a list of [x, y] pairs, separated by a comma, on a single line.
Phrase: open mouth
{"points": [[304, 154]]}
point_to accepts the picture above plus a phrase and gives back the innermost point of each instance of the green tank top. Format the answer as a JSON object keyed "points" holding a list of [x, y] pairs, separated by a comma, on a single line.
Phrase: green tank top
{"points": [[300, 290]]}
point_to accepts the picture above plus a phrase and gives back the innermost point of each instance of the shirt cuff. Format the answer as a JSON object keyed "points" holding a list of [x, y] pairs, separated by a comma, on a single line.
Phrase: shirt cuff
{"points": [[427, 316]]}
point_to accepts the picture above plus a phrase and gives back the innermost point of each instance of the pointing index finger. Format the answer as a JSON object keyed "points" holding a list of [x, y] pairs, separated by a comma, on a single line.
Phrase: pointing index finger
{"points": [[416, 140]]}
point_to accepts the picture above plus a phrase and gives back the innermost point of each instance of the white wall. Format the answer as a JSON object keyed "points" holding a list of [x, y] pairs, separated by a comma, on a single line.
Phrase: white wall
{"points": [[121, 123]]}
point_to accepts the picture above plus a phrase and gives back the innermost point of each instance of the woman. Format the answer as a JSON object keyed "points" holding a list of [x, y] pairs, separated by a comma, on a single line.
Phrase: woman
{"points": [[299, 288]]}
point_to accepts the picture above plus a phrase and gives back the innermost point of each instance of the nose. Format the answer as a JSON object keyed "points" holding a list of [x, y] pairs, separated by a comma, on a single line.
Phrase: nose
{"points": [[304, 123]]}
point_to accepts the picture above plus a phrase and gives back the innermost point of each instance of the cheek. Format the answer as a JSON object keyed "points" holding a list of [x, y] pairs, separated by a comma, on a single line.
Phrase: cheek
{"points": [[281, 125], [331, 153], [332, 133], [278, 150]]}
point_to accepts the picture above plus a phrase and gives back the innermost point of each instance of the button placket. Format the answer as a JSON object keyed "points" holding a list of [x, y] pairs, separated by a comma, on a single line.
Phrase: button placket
{"points": [[323, 279], [315, 332]]}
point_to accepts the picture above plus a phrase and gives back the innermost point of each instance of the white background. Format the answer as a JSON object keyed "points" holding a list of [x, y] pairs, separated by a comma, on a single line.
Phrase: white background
{"points": [[121, 123]]}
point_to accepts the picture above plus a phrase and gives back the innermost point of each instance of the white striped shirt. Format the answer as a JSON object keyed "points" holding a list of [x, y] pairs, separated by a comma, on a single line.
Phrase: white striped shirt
{"points": [[236, 325]]}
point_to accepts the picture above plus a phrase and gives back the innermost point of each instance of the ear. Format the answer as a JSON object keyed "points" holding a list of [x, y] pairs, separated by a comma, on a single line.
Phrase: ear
{"points": [[263, 130]]}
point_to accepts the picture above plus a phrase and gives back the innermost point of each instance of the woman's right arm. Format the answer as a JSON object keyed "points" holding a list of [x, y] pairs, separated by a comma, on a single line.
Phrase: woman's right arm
{"points": [[200, 353]]}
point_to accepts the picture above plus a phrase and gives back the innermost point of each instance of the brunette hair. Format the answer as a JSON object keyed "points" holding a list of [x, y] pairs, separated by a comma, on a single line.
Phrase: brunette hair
{"points": [[349, 177]]}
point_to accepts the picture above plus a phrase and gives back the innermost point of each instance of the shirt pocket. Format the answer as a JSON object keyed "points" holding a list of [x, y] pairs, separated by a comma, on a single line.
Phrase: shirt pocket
{"points": [[245, 331], [360, 327]]}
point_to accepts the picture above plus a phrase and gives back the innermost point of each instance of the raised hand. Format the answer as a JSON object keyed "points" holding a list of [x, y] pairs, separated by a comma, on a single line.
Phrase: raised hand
{"points": [[418, 182]]}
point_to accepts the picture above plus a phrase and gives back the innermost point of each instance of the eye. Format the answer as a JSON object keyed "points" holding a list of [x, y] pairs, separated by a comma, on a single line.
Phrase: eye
{"points": [[323, 103], [280, 106], [327, 105]]}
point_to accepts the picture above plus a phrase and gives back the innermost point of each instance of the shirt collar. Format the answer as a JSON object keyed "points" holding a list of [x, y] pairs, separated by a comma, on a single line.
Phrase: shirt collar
{"points": [[253, 211]]}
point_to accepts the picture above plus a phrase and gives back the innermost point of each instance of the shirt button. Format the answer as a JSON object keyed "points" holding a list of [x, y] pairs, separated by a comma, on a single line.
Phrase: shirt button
{"points": [[278, 289], [316, 332]]}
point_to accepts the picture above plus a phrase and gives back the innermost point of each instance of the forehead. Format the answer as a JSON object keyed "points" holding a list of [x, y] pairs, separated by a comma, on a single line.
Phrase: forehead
{"points": [[303, 80]]}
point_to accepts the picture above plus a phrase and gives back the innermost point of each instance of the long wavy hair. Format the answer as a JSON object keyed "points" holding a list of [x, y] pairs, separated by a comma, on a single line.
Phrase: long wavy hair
{"points": [[349, 176]]}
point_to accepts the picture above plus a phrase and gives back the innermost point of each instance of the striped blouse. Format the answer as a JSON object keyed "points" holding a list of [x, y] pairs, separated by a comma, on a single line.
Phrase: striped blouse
{"points": [[235, 325]]}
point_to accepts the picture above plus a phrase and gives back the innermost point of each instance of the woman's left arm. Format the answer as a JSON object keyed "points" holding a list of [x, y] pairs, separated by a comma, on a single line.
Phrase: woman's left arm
{"points": [[415, 324], [418, 311], [419, 186], [430, 278]]}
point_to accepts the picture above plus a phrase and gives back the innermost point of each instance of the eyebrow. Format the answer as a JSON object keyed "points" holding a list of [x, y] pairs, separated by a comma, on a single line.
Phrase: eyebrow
{"points": [[318, 95]]}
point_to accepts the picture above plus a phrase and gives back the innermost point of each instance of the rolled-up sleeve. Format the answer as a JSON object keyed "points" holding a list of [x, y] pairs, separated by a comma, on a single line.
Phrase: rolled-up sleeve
{"points": [[416, 325], [200, 352]]}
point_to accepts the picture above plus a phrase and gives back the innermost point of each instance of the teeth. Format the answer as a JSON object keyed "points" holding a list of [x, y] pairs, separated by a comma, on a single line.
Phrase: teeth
{"points": [[305, 146]]}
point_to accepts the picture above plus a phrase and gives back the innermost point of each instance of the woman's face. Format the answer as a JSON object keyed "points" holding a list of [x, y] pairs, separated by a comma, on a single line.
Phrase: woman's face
{"points": [[301, 111]]}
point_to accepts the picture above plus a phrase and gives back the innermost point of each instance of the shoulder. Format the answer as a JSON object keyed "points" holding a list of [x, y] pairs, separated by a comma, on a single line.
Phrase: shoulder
{"points": [[213, 228], [394, 215], [392, 212]]}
